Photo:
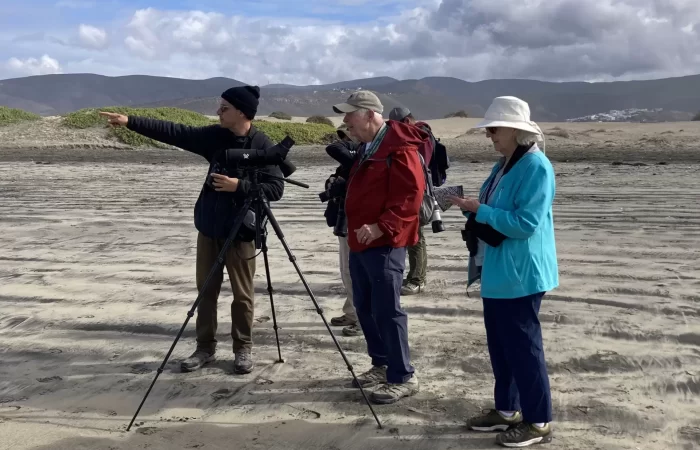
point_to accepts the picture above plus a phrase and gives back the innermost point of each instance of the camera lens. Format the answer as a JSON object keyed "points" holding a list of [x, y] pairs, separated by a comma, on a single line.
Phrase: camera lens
{"points": [[341, 221]]}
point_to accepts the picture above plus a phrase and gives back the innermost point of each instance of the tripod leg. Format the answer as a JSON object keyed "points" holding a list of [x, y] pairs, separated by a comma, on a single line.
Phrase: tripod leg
{"points": [[292, 258], [270, 290], [190, 313]]}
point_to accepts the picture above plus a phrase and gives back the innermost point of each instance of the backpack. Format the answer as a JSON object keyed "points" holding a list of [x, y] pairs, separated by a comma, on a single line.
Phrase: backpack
{"points": [[428, 204], [439, 163]]}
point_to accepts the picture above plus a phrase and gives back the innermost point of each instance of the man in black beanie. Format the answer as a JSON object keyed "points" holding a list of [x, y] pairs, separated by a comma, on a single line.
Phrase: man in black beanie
{"points": [[215, 211]]}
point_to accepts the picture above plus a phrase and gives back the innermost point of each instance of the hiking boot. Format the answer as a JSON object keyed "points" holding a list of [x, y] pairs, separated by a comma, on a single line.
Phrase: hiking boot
{"points": [[492, 420], [524, 435], [342, 321], [393, 392], [412, 288], [352, 330], [196, 361], [374, 376], [243, 362]]}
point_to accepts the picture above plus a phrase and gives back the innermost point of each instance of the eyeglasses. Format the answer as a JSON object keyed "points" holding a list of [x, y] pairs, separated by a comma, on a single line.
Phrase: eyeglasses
{"points": [[222, 109], [492, 130]]}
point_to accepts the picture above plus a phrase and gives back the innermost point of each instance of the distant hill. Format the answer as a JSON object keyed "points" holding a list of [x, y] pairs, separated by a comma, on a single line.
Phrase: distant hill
{"points": [[428, 98]]}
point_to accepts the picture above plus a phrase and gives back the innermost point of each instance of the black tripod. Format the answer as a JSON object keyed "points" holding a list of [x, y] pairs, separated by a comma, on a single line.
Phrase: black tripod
{"points": [[263, 213]]}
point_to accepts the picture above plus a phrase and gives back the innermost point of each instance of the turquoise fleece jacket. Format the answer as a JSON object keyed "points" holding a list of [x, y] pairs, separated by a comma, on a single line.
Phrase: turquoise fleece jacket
{"points": [[526, 261]]}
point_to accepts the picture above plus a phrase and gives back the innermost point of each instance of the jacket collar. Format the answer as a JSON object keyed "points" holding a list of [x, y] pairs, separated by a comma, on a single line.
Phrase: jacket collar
{"points": [[399, 137], [520, 151]]}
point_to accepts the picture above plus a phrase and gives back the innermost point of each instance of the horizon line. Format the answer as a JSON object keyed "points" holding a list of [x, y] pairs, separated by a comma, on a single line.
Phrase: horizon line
{"points": [[351, 80]]}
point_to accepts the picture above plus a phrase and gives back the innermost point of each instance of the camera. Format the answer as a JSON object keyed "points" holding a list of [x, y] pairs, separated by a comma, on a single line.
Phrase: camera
{"points": [[334, 190], [218, 169], [335, 193], [436, 218], [341, 225]]}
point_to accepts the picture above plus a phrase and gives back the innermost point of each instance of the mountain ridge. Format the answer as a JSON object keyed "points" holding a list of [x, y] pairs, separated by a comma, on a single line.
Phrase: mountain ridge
{"points": [[429, 97]]}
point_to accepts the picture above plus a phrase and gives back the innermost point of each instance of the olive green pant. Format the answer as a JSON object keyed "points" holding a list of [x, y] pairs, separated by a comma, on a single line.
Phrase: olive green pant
{"points": [[240, 265], [418, 260]]}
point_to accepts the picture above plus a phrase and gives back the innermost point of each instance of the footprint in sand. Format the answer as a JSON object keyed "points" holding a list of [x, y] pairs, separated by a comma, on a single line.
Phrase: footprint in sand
{"points": [[49, 379], [222, 394], [4, 400], [140, 369]]}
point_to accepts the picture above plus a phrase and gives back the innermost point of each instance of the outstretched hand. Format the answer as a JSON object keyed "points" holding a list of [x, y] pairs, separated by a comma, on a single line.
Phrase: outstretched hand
{"points": [[116, 120]]}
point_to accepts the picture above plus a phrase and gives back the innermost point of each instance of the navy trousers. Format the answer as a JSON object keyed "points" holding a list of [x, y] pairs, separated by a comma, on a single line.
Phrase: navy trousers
{"points": [[377, 274], [514, 339]]}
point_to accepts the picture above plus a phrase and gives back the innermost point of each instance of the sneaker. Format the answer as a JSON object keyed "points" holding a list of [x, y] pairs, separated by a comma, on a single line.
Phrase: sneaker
{"points": [[197, 360], [352, 330], [393, 392], [342, 321], [524, 435], [374, 376], [243, 362], [492, 420], [412, 288]]}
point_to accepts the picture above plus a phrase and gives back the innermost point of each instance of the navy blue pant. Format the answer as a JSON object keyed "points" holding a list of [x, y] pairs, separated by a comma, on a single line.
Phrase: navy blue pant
{"points": [[377, 274], [514, 339]]}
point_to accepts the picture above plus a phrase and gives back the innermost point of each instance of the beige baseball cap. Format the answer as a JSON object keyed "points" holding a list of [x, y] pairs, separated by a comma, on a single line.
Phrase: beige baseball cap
{"points": [[360, 99]]}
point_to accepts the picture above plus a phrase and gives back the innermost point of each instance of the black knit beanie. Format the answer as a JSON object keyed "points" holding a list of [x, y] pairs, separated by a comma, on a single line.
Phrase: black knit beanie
{"points": [[244, 99]]}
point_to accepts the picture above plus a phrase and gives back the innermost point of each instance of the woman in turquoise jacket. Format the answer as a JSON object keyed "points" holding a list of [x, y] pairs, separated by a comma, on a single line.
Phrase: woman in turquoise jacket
{"points": [[510, 236]]}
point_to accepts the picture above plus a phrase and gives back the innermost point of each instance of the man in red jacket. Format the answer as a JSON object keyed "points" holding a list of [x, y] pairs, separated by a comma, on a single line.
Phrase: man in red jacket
{"points": [[383, 199]]}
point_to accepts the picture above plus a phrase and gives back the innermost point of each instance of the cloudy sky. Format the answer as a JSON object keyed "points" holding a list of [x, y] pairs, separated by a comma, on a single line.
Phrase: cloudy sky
{"points": [[321, 41]]}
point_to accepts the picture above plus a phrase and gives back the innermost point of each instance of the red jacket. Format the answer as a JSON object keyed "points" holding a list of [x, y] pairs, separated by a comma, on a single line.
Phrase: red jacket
{"points": [[388, 194]]}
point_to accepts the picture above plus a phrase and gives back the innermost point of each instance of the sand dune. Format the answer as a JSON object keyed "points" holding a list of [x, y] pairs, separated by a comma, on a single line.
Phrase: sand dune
{"points": [[97, 270]]}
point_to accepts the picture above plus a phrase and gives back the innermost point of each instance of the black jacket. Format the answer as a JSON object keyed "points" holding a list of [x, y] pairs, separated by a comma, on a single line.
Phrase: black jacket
{"points": [[214, 212], [345, 153]]}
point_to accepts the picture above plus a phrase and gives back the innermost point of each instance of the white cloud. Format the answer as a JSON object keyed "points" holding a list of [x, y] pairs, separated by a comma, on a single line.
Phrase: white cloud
{"points": [[92, 37], [31, 66], [471, 39], [468, 39]]}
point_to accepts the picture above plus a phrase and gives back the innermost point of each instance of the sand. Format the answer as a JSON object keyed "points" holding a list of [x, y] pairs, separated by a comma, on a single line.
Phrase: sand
{"points": [[97, 266]]}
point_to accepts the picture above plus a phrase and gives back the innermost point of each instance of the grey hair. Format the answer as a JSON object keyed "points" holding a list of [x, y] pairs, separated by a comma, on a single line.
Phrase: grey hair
{"points": [[523, 137], [365, 112]]}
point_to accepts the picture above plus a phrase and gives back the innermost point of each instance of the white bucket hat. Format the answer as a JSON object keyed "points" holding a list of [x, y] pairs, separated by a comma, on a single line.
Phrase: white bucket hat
{"points": [[509, 112]]}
